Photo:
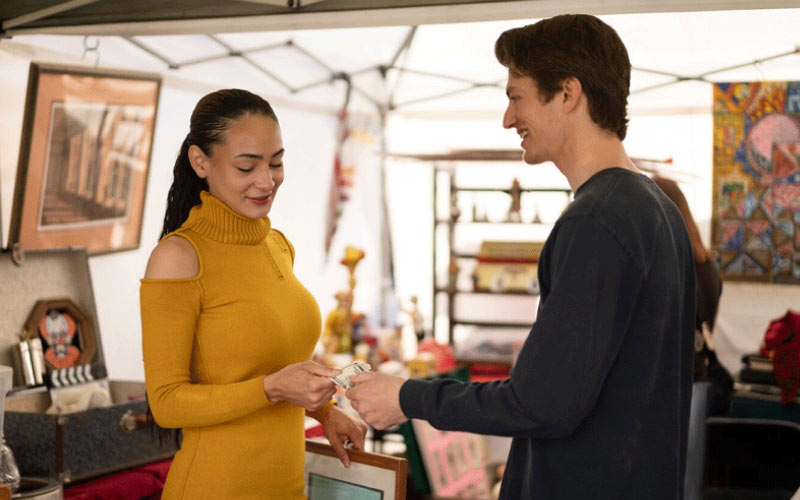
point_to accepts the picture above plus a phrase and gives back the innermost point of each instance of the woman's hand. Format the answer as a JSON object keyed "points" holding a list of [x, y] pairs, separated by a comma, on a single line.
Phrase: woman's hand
{"points": [[303, 384], [340, 427]]}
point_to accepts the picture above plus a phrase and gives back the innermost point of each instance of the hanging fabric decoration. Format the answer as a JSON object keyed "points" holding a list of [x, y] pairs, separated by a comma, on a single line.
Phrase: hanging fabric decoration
{"points": [[356, 213], [342, 181]]}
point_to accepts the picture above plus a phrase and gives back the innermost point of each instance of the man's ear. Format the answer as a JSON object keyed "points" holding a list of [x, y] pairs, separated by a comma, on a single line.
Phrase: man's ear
{"points": [[201, 163], [571, 92]]}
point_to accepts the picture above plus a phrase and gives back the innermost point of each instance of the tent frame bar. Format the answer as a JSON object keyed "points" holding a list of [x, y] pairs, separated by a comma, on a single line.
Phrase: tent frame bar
{"points": [[152, 52], [702, 76], [43, 13], [390, 105], [296, 19]]}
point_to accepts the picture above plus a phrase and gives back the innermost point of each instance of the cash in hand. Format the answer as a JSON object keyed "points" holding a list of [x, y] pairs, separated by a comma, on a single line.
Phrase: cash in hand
{"points": [[351, 370]]}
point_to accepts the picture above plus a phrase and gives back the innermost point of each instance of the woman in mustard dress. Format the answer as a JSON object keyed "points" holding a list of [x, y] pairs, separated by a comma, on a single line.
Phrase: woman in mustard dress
{"points": [[227, 329]]}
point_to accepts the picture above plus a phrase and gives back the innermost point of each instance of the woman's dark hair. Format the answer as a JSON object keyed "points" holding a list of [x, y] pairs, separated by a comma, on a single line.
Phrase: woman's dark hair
{"points": [[574, 45], [211, 119]]}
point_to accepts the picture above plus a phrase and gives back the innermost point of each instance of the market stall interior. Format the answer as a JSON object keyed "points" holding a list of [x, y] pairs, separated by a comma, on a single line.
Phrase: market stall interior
{"points": [[391, 114]]}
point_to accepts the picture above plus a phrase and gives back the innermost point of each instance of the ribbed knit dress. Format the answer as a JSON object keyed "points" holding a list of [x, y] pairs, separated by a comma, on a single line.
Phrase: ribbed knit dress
{"points": [[209, 340]]}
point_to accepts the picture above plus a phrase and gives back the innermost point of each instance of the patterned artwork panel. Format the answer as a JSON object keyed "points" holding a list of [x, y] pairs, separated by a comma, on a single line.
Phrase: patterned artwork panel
{"points": [[756, 213]]}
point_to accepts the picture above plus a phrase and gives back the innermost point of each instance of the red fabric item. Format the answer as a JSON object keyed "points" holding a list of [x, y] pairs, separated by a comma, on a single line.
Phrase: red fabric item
{"points": [[782, 345], [486, 372], [314, 432], [445, 360], [485, 378], [145, 481]]}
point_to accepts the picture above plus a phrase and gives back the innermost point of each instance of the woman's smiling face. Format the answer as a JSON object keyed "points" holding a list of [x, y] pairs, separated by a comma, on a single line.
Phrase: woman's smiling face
{"points": [[246, 169]]}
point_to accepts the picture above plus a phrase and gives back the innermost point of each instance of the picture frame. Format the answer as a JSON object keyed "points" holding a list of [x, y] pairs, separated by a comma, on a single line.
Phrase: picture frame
{"points": [[371, 476], [84, 158], [755, 218], [67, 334]]}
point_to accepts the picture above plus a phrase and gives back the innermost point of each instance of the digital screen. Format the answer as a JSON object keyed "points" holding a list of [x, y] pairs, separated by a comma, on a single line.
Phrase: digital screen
{"points": [[326, 488]]}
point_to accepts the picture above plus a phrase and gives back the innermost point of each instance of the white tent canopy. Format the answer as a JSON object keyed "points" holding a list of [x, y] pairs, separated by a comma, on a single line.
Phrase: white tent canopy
{"points": [[455, 61]]}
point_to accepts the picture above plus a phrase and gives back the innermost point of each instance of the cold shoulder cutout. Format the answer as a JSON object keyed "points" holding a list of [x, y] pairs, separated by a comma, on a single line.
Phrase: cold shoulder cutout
{"points": [[173, 258]]}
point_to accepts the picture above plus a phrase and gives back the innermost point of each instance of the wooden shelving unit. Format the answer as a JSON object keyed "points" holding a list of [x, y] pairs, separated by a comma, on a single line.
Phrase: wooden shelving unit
{"points": [[448, 162], [448, 220]]}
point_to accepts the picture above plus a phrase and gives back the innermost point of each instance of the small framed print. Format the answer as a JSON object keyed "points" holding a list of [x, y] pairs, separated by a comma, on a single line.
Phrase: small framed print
{"points": [[371, 476], [84, 157], [66, 333]]}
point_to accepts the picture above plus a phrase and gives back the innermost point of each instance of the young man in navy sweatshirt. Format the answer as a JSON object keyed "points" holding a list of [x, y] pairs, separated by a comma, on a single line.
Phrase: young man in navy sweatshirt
{"points": [[598, 400]]}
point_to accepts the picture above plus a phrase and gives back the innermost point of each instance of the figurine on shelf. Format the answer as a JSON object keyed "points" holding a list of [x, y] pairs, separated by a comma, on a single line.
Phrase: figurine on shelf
{"points": [[341, 324], [479, 212], [452, 273], [352, 256], [455, 210], [337, 337], [536, 218], [516, 202], [415, 318]]}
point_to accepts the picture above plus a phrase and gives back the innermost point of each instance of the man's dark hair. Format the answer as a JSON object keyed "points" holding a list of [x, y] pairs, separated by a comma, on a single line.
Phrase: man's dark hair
{"points": [[573, 45]]}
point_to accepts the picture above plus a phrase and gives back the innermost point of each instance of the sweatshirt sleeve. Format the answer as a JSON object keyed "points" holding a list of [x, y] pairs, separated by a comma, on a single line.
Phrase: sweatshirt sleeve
{"points": [[169, 310], [567, 355]]}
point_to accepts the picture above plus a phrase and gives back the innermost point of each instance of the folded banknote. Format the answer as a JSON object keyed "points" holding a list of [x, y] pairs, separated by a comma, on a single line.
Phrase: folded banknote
{"points": [[351, 370]]}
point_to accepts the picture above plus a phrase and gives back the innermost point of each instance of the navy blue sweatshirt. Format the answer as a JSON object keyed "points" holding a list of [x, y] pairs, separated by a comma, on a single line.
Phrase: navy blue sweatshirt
{"points": [[598, 401]]}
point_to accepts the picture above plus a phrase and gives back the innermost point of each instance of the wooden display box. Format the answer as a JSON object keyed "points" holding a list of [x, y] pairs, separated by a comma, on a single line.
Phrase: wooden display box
{"points": [[71, 446], [508, 267]]}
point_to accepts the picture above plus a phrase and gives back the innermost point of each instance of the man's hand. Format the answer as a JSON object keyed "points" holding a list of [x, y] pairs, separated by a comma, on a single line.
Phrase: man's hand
{"points": [[376, 397], [339, 428]]}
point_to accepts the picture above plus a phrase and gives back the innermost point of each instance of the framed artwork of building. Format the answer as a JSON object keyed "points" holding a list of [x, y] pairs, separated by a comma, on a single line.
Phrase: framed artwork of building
{"points": [[756, 211], [84, 156]]}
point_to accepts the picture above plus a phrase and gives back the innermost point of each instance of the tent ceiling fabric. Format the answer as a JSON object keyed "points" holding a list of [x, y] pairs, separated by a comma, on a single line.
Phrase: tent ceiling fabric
{"points": [[123, 17], [449, 70], [125, 11]]}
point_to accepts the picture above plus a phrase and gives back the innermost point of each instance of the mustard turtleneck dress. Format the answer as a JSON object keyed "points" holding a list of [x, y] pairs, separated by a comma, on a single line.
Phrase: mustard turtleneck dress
{"points": [[209, 340]]}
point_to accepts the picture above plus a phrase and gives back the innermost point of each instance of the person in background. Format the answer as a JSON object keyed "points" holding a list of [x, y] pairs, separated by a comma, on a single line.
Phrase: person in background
{"points": [[227, 329], [708, 284], [598, 400]]}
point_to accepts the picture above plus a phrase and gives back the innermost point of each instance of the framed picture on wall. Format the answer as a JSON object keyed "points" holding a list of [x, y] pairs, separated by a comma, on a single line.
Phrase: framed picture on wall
{"points": [[756, 183], [371, 476], [84, 157]]}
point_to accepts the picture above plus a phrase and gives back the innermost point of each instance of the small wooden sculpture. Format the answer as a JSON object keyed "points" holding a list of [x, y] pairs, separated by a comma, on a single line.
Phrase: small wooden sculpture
{"points": [[516, 202], [415, 317], [337, 336]]}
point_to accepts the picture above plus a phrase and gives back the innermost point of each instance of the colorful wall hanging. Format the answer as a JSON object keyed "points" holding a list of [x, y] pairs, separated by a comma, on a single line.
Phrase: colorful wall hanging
{"points": [[756, 211]]}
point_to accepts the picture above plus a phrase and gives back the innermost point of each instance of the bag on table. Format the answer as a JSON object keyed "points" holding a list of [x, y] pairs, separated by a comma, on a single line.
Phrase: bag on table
{"points": [[782, 345]]}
